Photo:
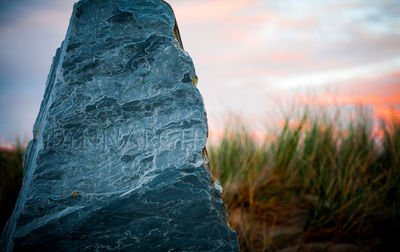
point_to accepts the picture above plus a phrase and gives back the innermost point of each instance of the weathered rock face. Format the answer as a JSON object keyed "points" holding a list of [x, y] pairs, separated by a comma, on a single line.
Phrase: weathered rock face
{"points": [[118, 159]]}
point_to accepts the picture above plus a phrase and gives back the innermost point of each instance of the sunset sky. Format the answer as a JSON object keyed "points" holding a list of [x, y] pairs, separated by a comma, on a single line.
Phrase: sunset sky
{"points": [[252, 56]]}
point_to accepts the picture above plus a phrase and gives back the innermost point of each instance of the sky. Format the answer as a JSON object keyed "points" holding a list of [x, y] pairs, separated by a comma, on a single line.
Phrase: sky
{"points": [[253, 57]]}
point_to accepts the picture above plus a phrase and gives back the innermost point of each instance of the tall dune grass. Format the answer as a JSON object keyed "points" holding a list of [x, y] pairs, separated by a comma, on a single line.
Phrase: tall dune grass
{"points": [[11, 173], [336, 184], [311, 178]]}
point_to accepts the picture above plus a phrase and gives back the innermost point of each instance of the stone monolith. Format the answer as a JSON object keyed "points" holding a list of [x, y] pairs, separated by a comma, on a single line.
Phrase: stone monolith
{"points": [[118, 159]]}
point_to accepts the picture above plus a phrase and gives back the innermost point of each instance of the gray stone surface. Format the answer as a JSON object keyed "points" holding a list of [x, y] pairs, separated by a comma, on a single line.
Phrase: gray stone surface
{"points": [[118, 159]]}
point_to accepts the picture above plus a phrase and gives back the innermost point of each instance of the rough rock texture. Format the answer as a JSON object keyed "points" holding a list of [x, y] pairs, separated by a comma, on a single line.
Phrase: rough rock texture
{"points": [[118, 159]]}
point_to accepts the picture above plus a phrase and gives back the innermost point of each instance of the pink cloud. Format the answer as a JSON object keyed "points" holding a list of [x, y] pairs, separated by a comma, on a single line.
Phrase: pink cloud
{"points": [[208, 10], [381, 84], [283, 57]]}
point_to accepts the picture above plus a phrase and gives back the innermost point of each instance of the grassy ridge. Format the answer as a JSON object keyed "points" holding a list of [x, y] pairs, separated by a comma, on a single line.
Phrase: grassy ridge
{"points": [[331, 184]]}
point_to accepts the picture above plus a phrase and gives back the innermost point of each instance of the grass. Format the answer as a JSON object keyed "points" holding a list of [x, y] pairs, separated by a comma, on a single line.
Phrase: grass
{"points": [[311, 181], [11, 173], [330, 183]]}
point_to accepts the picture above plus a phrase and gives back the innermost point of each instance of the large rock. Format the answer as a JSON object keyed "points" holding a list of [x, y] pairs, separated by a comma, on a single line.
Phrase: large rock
{"points": [[118, 159]]}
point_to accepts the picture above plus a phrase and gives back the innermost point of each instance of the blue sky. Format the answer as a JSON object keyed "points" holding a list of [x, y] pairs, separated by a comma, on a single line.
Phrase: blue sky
{"points": [[251, 56]]}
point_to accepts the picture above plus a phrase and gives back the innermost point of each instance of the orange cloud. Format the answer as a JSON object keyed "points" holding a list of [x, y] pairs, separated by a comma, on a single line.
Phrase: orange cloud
{"points": [[381, 87], [328, 99], [387, 113], [397, 75], [383, 84], [382, 104]]}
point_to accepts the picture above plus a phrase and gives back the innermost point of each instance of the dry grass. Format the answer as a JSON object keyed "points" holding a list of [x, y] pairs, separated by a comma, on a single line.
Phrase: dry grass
{"points": [[11, 173], [314, 182]]}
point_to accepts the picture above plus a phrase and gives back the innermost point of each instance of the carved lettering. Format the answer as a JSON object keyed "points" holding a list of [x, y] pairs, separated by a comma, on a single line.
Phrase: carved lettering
{"points": [[115, 139]]}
